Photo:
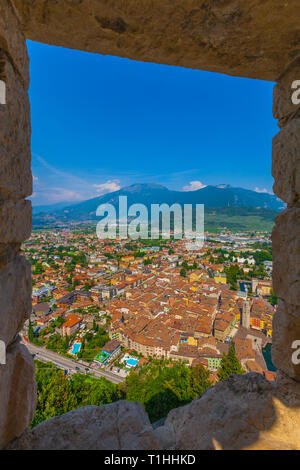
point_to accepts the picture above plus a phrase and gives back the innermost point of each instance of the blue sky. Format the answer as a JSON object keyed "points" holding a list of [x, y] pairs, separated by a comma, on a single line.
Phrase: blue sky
{"points": [[101, 122]]}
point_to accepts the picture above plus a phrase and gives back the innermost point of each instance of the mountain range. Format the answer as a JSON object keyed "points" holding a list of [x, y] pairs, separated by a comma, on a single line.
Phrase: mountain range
{"points": [[221, 196]]}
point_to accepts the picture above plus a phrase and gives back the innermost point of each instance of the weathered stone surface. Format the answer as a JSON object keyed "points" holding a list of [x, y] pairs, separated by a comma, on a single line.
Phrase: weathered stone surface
{"points": [[12, 40], [286, 162], [8, 251], [227, 36], [15, 297], [288, 391], [283, 107], [286, 256], [15, 221], [17, 393], [243, 412], [286, 334], [15, 134], [117, 426]]}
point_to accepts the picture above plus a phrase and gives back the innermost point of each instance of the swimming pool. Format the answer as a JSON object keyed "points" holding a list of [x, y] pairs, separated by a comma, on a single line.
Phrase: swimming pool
{"points": [[132, 362], [75, 348]]}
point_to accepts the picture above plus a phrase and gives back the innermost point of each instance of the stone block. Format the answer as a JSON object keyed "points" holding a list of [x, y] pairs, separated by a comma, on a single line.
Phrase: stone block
{"points": [[283, 107], [286, 340], [8, 251], [15, 135], [17, 393], [286, 163], [15, 298], [12, 40], [286, 256], [15, 221]]}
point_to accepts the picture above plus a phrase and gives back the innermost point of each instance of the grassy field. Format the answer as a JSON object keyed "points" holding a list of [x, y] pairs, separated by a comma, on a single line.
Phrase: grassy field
{"points": [[239, 219]]}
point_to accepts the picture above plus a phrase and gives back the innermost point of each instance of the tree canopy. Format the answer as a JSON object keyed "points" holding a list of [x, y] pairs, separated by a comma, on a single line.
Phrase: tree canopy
{"points": [[229, 365]]}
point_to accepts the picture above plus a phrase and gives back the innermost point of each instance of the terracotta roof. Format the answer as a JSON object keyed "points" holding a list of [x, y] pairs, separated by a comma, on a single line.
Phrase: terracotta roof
{"points": [[72, 320]]}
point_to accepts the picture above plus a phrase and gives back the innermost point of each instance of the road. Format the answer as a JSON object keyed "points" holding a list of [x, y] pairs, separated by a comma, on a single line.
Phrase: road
{"points": [[43, 354]]}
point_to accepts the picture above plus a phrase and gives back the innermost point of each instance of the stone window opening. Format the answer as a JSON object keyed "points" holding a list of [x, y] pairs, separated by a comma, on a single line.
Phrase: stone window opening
{"points": [[254, 40]]}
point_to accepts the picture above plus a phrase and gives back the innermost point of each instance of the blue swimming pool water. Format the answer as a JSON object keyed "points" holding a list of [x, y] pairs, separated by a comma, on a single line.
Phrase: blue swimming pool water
{"points": [[76, 348], [132, 362]]}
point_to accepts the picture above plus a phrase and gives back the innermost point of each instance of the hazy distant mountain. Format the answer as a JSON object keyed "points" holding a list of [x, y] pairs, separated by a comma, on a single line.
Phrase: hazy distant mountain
{"points": [[147, 194], [49, 208]]}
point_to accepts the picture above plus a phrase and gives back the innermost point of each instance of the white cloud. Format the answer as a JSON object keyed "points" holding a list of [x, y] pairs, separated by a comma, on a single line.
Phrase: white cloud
{"points": [[263, 190], [108, 187], [193, 186], [52, 185]]}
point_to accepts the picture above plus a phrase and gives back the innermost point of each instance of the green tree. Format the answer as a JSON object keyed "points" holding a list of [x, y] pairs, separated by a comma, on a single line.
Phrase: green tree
{"points": [[185, 265], [159, 388], [229, 365], [183, 272], [273, 298], [58, 393], [54, 393], [199, 381]]}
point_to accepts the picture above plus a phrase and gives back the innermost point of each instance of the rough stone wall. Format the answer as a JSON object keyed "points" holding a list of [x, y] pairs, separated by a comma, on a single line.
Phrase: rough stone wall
{"points": [[17, 384], [242, 412], [117, 426], [286, 234], [254, 39], [250, 38]]}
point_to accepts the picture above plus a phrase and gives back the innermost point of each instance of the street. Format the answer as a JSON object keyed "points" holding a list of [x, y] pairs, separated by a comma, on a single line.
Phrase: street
{"points": [[45, 355]]}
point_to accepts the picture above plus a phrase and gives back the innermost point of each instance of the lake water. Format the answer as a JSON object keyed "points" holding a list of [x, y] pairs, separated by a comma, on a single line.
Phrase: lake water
{"points": [[267, 353]]}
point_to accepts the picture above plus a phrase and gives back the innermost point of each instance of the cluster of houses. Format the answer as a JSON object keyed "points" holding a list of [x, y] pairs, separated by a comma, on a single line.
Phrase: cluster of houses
{"points": [[153, 308]]}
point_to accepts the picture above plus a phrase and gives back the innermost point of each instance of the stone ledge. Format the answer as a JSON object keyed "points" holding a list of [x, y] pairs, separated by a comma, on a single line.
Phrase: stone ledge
{"points": [[228, 36], [117, 426], [242, 412]]}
